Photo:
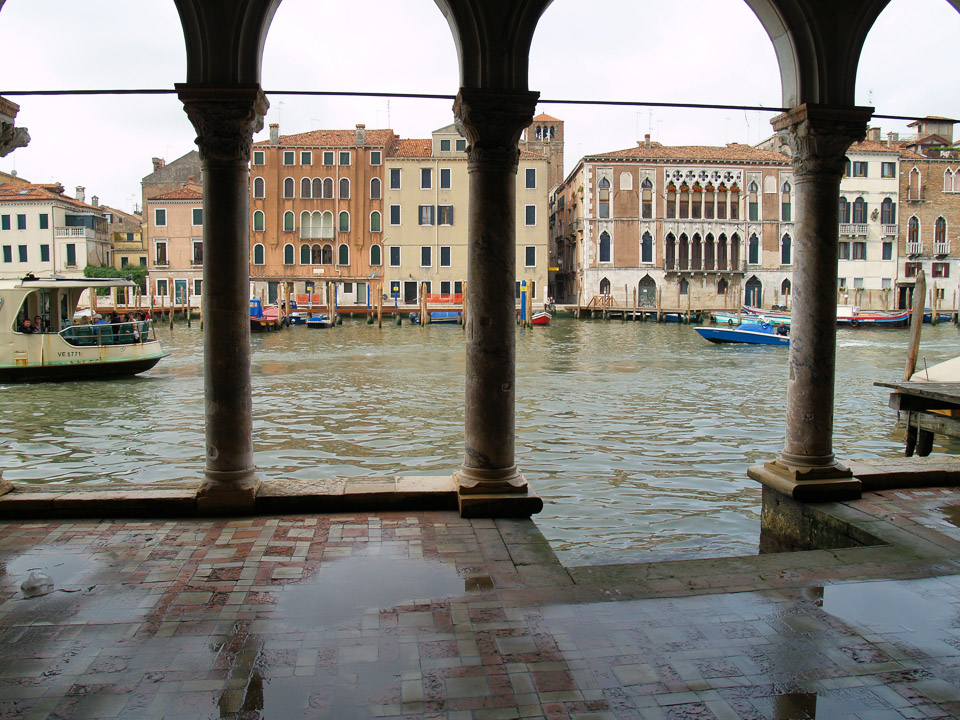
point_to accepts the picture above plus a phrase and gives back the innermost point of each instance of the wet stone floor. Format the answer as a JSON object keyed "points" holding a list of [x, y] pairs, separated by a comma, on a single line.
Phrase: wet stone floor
{"points": [[432, 616]]}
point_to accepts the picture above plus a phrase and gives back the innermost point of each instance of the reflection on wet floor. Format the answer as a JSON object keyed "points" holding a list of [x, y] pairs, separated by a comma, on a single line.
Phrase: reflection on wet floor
{"points": [[432, 616]]}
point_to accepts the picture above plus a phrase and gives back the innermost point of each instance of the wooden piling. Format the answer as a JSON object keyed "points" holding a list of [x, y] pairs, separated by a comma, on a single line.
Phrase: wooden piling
{"points": [[463, 304], [530, 303], [659, 304], [916, 323], [424, 315], [634, 304], [380, 305]]}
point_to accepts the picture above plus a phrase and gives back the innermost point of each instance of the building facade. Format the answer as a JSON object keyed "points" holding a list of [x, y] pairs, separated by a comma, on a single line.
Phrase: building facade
{"points": [[175, 254], [678, 227], [425, 210], [43, 231]]}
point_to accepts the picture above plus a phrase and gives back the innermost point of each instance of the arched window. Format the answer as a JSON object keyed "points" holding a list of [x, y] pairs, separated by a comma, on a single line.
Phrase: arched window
{"points": [[344, 188], [258, 221], [913, 185], [722, 286], [785, 250], [604, 184], [684, 201], [304, 254], [684, 286], [753, 202], [288, 221], [316, 255], [344, 221], [317, 190], [258, 254], [646, 248], [326, 225], [734, 202], [670, 252], [846, 167], [735, 251], [683, 252], [844, 211], [326, 255], [913, 235], [646, 199], [786, 209], [948, 180], [375, 189], [722, 202], [259, 187], [785, 288], [289, 254], [696, 251], [722, 257], [671, 201], [709, 253], [376, 256], [604, 247], [288, 187], [604, 287], [888, 212], [328, 188], [859, 211], [709, 201], [753, 256], [940, 236], [375, 221], [696, 202], [305, 186], [343, 254]]}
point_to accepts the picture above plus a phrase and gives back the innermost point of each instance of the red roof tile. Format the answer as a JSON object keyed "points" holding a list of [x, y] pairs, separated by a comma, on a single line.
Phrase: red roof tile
{"points": [[40, 192], [411, 148], [334, 138], [734, 152], [190, 191], [543, 117]]}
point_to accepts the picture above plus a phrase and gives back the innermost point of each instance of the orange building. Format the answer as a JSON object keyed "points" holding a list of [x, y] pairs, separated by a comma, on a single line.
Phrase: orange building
{"points": [[317, 213]]}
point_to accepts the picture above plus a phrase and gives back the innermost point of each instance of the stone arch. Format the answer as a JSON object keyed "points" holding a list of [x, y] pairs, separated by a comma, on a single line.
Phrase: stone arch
{"points": [[647, 292]]}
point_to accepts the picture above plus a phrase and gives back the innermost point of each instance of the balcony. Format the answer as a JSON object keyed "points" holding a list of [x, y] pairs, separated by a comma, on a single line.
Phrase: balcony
{"points": [[941, 248], [325, 233], [75, 232], [889, 230], [853, 229], [914, 248]]}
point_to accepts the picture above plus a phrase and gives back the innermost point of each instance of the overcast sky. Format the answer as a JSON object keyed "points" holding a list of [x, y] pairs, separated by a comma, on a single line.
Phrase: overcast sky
{"points": [[700, 51]]}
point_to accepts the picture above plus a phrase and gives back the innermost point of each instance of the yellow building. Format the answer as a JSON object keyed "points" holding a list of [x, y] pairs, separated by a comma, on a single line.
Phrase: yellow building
{"points": [[425, 218]]}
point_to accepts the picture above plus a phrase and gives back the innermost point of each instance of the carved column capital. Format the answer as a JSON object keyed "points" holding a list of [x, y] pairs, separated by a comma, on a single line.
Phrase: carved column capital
{"points": [[820, 136], [225, 118], [492, 122]]}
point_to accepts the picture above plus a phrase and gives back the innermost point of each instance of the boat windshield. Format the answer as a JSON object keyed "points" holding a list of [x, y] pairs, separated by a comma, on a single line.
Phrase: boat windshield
{"points": [[119, 333]]}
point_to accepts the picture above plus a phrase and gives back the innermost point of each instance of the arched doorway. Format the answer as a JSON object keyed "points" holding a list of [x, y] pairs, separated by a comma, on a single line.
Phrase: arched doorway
{"points": [[647, 292], [753, 292]]}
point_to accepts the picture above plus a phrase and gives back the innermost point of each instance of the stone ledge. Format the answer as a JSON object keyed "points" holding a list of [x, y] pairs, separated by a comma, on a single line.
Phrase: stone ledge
{"points": [[321, 495], [902, 472]]}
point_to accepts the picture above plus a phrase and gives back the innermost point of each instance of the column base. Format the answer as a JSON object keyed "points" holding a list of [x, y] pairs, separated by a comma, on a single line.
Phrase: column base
{"points": [[228, 492], [818, 483], [495, 494]]}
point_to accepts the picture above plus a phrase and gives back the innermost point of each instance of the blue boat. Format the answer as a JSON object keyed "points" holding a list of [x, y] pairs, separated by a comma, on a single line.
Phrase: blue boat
{"points": [[318, 321], [750, 333], [442, 317]]}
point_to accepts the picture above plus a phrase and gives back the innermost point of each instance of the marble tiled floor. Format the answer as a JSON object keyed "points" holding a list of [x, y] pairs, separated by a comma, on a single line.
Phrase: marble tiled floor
{"points": [[427, 615]]}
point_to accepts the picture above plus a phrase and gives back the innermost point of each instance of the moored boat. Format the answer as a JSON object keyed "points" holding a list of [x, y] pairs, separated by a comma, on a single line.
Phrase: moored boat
{"points": [[263, 319], [853, 316], [317, 322], [541, 318], [748, 332], [63, 351]]}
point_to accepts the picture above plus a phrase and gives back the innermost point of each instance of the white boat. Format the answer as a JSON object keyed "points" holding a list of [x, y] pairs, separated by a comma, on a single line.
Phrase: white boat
{"points": [[947, 371], [62, 350]]}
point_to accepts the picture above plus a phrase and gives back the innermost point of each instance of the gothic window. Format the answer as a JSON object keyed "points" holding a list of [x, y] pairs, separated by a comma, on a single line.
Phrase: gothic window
{"points": [[646, 248], [671, 201], [913, 185], [722, 202], [722, 252], [604, 247], [734, 202], [735, 251], [670, 253], [913, 231], [709, 202], [785, 250], [696, 262], [696, 201], [754, 251], [646, 199], [940, 233], [753, 202], [709, 257], [683, 248], [684, 202], [785, 203]]}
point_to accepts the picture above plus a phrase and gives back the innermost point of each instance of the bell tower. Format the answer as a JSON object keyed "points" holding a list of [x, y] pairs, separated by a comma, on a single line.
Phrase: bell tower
{"points": [[544, 136]]}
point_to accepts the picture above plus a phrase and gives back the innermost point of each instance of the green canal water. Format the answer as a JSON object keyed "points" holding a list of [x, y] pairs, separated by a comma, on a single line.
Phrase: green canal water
{"points": [[636, 435]]}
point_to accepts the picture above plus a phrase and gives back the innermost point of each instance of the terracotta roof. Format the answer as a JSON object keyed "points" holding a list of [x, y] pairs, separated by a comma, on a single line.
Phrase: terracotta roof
{"points": [[40, 192], [190, 191], [527, 155], [543, 117], [411, 148], [936, 118], [333, 138], [878, 147], [734, 152]]}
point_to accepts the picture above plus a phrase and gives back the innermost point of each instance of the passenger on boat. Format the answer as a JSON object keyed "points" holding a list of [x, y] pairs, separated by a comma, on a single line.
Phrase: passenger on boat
{"points": [[783, 329], [38, 324], [26, 326]]}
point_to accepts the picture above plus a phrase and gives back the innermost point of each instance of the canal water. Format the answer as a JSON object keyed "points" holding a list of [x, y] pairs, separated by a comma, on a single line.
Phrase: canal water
{"points": [[636, 435]]}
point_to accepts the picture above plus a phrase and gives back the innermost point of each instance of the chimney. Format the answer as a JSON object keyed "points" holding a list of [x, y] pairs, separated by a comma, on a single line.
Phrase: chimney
{"points": [[892, 137], [191, 179], [79, 194], [274, 133], [873, 134], [158, 163], [361, 133], [95, 201], [646, 140]]}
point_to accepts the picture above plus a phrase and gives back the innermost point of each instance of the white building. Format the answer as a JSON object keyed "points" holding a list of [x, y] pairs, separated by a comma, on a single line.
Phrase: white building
{"points": [[43, 231]]}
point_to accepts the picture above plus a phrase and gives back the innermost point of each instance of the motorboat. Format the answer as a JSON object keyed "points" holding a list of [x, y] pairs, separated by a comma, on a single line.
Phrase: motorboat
{"points": [[62, 350], [748, 332], [317, 322], [541, 318], [263, 319]]}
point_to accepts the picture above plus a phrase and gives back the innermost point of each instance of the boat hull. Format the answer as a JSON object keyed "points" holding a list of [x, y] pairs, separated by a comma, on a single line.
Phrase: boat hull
{"points": [[77, 371], [743, 334], [541, 318]]}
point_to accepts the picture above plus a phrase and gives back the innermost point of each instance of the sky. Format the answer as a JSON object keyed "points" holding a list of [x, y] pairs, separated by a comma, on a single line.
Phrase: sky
{"points": [[699, 51]]}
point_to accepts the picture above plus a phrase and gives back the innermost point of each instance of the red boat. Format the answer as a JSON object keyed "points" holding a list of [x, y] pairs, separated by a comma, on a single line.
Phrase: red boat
{"points": [[541, 318]]}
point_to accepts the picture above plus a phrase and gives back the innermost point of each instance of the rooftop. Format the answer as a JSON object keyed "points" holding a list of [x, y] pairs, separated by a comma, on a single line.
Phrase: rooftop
{"points": [[734, 152]]}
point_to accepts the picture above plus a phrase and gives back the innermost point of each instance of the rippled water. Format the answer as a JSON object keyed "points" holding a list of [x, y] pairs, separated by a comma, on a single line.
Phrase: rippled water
{"points": [[637, 435]]}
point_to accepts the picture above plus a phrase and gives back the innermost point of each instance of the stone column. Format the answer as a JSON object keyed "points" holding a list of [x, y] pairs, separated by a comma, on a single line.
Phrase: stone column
{"points": [[225, 120], [489, 483], [806, 468]]}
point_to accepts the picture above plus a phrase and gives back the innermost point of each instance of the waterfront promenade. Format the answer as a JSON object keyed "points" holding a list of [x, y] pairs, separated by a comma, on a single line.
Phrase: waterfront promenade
{"points": [[427, 615]]}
